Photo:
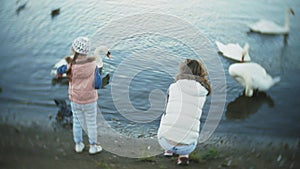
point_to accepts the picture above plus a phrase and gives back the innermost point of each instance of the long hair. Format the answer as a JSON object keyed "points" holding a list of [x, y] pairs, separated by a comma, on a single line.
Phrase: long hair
{"points": [[194, 70], [73, 61]]}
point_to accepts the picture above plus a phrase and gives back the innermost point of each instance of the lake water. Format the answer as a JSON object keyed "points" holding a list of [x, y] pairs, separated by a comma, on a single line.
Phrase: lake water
{"points": [[32, 42]]}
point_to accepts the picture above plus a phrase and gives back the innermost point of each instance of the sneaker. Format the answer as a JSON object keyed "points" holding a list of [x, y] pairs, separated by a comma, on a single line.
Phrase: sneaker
{"points": [[168, 153], [183, 160], [95, 149], [79, 147]]}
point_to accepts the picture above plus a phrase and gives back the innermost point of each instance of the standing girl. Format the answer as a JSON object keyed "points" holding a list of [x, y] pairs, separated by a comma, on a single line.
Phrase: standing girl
{"points": [[180, 125], [82, 94]]}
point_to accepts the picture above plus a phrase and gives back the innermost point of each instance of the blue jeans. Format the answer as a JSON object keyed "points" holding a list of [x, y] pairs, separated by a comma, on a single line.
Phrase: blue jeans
{"points": [[84, 115], [180, 150]]}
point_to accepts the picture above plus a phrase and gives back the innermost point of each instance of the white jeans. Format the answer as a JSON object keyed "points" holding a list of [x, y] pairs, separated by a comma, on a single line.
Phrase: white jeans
{"points": [[84, 116], [180, 150]]}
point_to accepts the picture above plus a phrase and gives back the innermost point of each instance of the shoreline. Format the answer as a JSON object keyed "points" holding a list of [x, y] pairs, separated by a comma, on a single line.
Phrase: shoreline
{"points": [[34, 147]]}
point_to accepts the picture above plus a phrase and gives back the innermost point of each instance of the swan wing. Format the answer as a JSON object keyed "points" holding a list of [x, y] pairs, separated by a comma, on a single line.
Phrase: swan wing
{"points": [[267, 27], [252, 74], [264, 83], [232, 51], [60, 63], [261, 80]]}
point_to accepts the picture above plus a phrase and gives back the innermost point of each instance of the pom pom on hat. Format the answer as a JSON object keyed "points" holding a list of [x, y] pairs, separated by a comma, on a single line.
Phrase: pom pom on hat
{"points": [[81, 45]]}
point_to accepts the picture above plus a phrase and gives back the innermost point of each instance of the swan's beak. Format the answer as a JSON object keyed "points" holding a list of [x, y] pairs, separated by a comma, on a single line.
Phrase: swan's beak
{"points": [[108, 55]]}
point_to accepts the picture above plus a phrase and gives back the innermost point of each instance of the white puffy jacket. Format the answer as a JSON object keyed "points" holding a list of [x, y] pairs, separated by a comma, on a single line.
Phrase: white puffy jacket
{"points": [[181, 121]]}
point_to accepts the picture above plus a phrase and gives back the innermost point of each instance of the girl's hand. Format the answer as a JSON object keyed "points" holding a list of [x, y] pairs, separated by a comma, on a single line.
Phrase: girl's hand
{"points": [[58, 76]]}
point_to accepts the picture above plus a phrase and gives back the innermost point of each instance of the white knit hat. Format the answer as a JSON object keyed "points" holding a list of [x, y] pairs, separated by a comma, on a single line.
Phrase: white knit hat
{"points": [[81, 45]]}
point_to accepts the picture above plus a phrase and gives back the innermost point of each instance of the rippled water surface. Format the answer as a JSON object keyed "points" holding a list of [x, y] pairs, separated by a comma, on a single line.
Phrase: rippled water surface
{"points": [[32, 42]]}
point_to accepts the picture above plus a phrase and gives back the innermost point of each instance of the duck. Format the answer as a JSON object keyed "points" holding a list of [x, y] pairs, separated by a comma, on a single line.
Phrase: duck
{"points": [[66, 60], [234, 51], [55, 12], [21, 5], [269, 27], [252, 76]]}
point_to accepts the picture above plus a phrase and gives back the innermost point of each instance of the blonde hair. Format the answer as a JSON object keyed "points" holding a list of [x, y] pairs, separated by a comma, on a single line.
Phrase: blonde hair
{"points": [[194, 70]]}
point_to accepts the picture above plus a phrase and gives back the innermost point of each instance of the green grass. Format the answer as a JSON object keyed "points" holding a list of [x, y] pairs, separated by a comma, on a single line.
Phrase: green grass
{"points": [[148, 159], [162, 166], [202, 156], [211, 154], [103, 165]]}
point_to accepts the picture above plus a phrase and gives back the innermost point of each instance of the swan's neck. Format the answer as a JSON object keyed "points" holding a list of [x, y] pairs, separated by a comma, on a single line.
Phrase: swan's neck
{"points": [[287, 20], [99, 49], [245, 51]]}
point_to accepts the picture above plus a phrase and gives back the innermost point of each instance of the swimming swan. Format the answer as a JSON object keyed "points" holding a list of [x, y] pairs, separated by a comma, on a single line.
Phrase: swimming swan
{"points": [[269, 27], [252, 76], [97, 52], [234, 51]]}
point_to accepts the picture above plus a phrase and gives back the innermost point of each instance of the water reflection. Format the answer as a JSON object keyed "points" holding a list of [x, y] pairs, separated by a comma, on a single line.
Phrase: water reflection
{"points": [[244, 106], [64, 114]]}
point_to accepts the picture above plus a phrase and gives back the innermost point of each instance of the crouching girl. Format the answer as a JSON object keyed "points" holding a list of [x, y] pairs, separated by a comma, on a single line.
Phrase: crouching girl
{"points": [[180, 124]]}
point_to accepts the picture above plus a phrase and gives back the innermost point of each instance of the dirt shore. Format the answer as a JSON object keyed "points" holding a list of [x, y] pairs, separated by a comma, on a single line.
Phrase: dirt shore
{"points": [[35, 148]]}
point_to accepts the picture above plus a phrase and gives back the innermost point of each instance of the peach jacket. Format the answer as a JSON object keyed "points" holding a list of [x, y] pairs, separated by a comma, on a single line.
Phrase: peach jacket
{"points": [[81, 90]]}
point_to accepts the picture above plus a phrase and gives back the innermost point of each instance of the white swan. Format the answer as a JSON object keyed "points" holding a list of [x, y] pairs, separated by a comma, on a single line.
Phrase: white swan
{"points": [[252, 76], [234, 51], [99, 55], [99, 52], [269, 27]]}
